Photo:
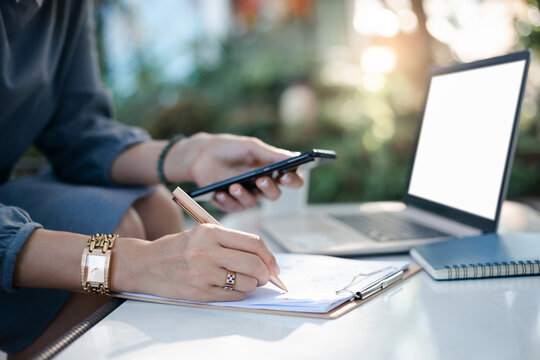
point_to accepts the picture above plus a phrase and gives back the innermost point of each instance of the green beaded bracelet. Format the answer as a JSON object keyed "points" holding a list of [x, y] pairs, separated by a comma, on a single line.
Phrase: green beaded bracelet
{"points": [[176, 138]]}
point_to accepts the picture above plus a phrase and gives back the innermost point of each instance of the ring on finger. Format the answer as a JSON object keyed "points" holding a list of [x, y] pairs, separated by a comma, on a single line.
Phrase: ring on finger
{"points": [[230, 280]]}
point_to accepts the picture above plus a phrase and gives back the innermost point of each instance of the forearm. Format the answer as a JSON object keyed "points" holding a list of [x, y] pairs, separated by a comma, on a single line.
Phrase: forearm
{"points": [[52, 259], [138, 164]]}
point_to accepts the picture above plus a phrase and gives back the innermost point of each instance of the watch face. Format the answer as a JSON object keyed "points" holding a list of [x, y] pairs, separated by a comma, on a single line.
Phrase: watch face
{"points": [[95, 268]]}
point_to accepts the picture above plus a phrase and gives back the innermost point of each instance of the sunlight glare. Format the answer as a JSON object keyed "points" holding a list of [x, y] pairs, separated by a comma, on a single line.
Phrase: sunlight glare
{"points": [[350, 113], [534, 15], [369, 142], [475, 30], [398, 4], [371, 18], [407, 20], [441, 29], [529, 111], [339, 73], [383, 128], [374, 82], [378, 60]]}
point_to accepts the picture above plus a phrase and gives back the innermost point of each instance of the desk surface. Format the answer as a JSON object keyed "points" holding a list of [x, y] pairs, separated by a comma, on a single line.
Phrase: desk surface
{"points": [[419, 319]]}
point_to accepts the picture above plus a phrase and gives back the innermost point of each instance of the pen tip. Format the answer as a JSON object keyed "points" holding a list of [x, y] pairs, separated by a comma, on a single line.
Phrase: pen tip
{"points": [[276, 281]]}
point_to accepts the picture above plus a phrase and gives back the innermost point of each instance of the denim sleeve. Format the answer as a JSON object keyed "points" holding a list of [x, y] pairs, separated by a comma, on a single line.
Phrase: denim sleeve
{"points": [[15, 227], [82, 140]]}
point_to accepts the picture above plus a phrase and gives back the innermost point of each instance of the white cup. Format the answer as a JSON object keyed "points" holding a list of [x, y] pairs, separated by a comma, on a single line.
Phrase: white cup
{"points": [[291, 201]]}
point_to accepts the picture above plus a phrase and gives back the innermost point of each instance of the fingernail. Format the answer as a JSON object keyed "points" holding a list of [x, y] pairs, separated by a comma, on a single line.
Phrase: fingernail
{"points": [[286, 178], [237, 191], [220, 196], [277, 270], [264, 183]]}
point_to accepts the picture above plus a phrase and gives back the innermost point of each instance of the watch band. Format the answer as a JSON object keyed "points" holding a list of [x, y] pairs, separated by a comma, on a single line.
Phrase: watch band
{"points": [[98, 246]]}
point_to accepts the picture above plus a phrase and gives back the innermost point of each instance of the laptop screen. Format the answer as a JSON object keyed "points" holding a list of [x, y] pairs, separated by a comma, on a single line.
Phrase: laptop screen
{"points": [[466, 137]]}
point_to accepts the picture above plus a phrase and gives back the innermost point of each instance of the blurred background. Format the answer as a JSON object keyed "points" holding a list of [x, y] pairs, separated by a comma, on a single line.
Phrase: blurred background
{"points": [[347, 75]]}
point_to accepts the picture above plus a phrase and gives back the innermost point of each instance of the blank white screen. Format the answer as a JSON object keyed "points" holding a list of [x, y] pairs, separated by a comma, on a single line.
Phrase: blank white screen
{"points": [[465, 137]]}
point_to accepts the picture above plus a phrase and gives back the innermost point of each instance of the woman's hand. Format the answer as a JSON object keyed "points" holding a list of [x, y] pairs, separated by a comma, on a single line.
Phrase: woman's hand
{"points": [[193, 265], [212, 158]]}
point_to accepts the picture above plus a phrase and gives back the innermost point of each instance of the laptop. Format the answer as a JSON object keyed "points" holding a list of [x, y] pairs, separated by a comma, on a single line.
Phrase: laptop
{"points": [[458, 176]]}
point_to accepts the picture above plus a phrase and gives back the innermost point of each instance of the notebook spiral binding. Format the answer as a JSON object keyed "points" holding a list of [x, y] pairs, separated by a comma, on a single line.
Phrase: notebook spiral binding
{"points": [[487, 270], [77, 331]]}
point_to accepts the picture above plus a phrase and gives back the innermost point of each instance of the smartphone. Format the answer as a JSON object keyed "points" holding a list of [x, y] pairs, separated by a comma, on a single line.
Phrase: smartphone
{"points": [[311, 158]]}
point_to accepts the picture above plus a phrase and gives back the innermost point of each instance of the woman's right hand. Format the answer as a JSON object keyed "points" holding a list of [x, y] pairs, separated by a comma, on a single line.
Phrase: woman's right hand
{"points": [[193, 265]]}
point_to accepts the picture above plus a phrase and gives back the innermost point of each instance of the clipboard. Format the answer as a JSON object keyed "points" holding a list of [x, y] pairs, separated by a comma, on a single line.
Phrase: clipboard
{"points": [[332, 314]]}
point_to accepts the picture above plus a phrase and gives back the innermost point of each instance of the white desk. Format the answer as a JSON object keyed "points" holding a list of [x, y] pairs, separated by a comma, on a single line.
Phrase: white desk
{"points": [[419, 319]]}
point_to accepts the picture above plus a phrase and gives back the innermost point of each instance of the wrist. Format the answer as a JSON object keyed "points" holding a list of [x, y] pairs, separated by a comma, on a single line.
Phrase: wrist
{"points": [[163, 155], [127, 265], [179, 163]]}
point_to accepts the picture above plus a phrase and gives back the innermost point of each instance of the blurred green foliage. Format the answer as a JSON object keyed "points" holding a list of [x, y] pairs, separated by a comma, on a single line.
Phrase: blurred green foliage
{"points": [[241, 93]]}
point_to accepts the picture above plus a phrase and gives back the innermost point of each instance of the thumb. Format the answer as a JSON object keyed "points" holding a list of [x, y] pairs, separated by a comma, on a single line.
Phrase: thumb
{"points": [[267, 154]]}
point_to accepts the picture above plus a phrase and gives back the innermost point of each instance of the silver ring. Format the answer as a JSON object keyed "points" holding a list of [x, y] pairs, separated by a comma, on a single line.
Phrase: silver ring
{"points": [[230, 281]]}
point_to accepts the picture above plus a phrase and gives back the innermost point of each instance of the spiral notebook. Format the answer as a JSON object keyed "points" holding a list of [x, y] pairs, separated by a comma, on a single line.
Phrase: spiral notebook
{"points": [[319, 286], [483, 256]]}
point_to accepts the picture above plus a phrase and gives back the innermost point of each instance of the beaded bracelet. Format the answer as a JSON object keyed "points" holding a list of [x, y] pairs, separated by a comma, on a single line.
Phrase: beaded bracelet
{"points": [[176, 138]]}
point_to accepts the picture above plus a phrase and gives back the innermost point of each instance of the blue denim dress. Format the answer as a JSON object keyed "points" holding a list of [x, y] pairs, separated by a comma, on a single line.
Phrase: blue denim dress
{"points": [[51, 97]]}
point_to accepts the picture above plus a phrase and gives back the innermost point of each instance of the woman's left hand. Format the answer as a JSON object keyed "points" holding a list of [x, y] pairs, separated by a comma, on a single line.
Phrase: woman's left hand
{"points": [[212, 158]]}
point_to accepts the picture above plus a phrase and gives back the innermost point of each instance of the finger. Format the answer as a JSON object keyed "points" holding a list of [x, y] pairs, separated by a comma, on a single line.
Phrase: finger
{"points": [[268, 187], [242, 283], [250, 243], [218, 293], [291, 179], [244, 197], [226, 202], [213, 293], [244, 263]]}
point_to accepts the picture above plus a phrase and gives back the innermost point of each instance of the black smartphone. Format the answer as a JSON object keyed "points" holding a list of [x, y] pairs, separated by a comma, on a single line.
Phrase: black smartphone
{"points": [[313, 158]]}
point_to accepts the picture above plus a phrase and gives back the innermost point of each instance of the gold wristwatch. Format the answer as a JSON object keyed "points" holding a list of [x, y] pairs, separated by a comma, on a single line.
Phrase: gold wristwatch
{"points": [[95, 264]]}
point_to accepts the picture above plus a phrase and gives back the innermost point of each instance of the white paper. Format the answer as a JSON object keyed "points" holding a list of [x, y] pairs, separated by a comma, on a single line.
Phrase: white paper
{"points": [[312, 281]]}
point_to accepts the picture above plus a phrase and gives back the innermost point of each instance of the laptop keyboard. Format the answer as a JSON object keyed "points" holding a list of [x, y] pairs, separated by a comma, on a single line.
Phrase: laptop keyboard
{"points": [[382, 227]]}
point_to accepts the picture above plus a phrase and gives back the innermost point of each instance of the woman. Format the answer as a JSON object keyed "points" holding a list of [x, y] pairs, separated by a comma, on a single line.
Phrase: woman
{"points": [[103, 180]]}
